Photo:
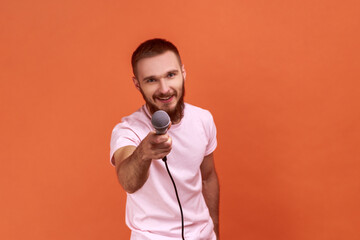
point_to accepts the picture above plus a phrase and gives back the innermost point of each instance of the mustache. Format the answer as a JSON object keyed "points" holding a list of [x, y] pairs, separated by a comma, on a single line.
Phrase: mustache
{"points": [[161, 95]]}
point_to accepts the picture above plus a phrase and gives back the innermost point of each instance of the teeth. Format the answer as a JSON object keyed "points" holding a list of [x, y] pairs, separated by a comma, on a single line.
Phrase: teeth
{"points": [[165, 98]]}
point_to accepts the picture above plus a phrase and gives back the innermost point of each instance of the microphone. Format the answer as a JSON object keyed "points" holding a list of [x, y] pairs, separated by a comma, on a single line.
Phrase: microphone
{"points": [[160, 121]]}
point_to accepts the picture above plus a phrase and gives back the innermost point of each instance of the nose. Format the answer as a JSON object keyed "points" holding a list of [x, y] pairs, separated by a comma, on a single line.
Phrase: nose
{"points": [[164, 87]]}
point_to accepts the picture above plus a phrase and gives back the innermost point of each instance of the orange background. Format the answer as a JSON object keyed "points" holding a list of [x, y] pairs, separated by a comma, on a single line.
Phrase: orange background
{"points": [[280, 77]]}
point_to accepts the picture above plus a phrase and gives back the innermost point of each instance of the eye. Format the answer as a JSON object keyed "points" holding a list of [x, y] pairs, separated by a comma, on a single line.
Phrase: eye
{"points": [[171, 75], [150, 80]]}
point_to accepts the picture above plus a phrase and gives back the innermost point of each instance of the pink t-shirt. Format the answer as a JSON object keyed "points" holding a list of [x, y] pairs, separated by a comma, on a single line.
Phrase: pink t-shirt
{"points": [[153, 212]]}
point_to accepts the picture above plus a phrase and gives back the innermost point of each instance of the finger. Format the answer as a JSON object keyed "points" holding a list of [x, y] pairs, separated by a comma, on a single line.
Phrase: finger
{"points": [[161, 155], [164, 144], [163, 148], [159, 139]]}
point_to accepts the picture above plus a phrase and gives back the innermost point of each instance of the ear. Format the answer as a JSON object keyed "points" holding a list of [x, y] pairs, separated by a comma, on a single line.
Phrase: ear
{"points": [[183, 71], [136, 83]]}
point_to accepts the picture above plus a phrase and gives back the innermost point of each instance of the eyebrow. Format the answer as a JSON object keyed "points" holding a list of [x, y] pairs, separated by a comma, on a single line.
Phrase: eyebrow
{"points": [[164, 75]]}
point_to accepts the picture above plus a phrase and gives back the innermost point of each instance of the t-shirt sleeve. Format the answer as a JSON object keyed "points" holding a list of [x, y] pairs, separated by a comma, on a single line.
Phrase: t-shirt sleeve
{"points": [[211, 133], [122, 135]]}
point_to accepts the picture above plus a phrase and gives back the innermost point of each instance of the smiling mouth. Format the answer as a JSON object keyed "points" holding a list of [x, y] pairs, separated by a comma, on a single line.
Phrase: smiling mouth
{"points": [[165, 99]]}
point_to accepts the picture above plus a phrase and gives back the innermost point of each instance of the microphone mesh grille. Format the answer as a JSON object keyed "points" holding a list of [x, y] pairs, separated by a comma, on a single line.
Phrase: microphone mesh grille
{"points": [[160, 120]]}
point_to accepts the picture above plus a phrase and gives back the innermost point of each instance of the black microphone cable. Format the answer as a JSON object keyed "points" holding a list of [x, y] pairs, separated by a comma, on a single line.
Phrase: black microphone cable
{"points": [[177, 197]]}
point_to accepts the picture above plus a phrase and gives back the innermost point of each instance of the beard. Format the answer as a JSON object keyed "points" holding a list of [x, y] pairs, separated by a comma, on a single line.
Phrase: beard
{"points": [[175, 114]]}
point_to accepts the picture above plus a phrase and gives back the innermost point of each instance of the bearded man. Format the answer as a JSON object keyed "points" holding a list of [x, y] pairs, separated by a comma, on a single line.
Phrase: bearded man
{"points": [[152, 210]]}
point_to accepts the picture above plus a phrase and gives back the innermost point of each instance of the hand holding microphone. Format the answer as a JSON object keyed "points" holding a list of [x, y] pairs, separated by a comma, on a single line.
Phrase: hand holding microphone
{"points": [[157, 144]]}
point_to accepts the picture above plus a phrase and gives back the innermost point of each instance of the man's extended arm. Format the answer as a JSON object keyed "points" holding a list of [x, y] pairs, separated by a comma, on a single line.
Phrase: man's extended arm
{"points": [[132, 163], [210, 189]]}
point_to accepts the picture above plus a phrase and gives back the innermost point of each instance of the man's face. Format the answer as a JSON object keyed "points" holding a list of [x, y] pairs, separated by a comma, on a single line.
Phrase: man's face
{"points": [[160, 80]]}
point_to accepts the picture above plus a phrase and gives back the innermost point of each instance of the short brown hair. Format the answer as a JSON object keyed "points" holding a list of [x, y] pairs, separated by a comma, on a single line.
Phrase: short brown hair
{"points": [[151, 48]]}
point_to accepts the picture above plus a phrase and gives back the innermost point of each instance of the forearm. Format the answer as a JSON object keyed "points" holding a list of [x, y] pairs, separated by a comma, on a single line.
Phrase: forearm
{"points": [[133, 163], [211, 194], [133, 171]]}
